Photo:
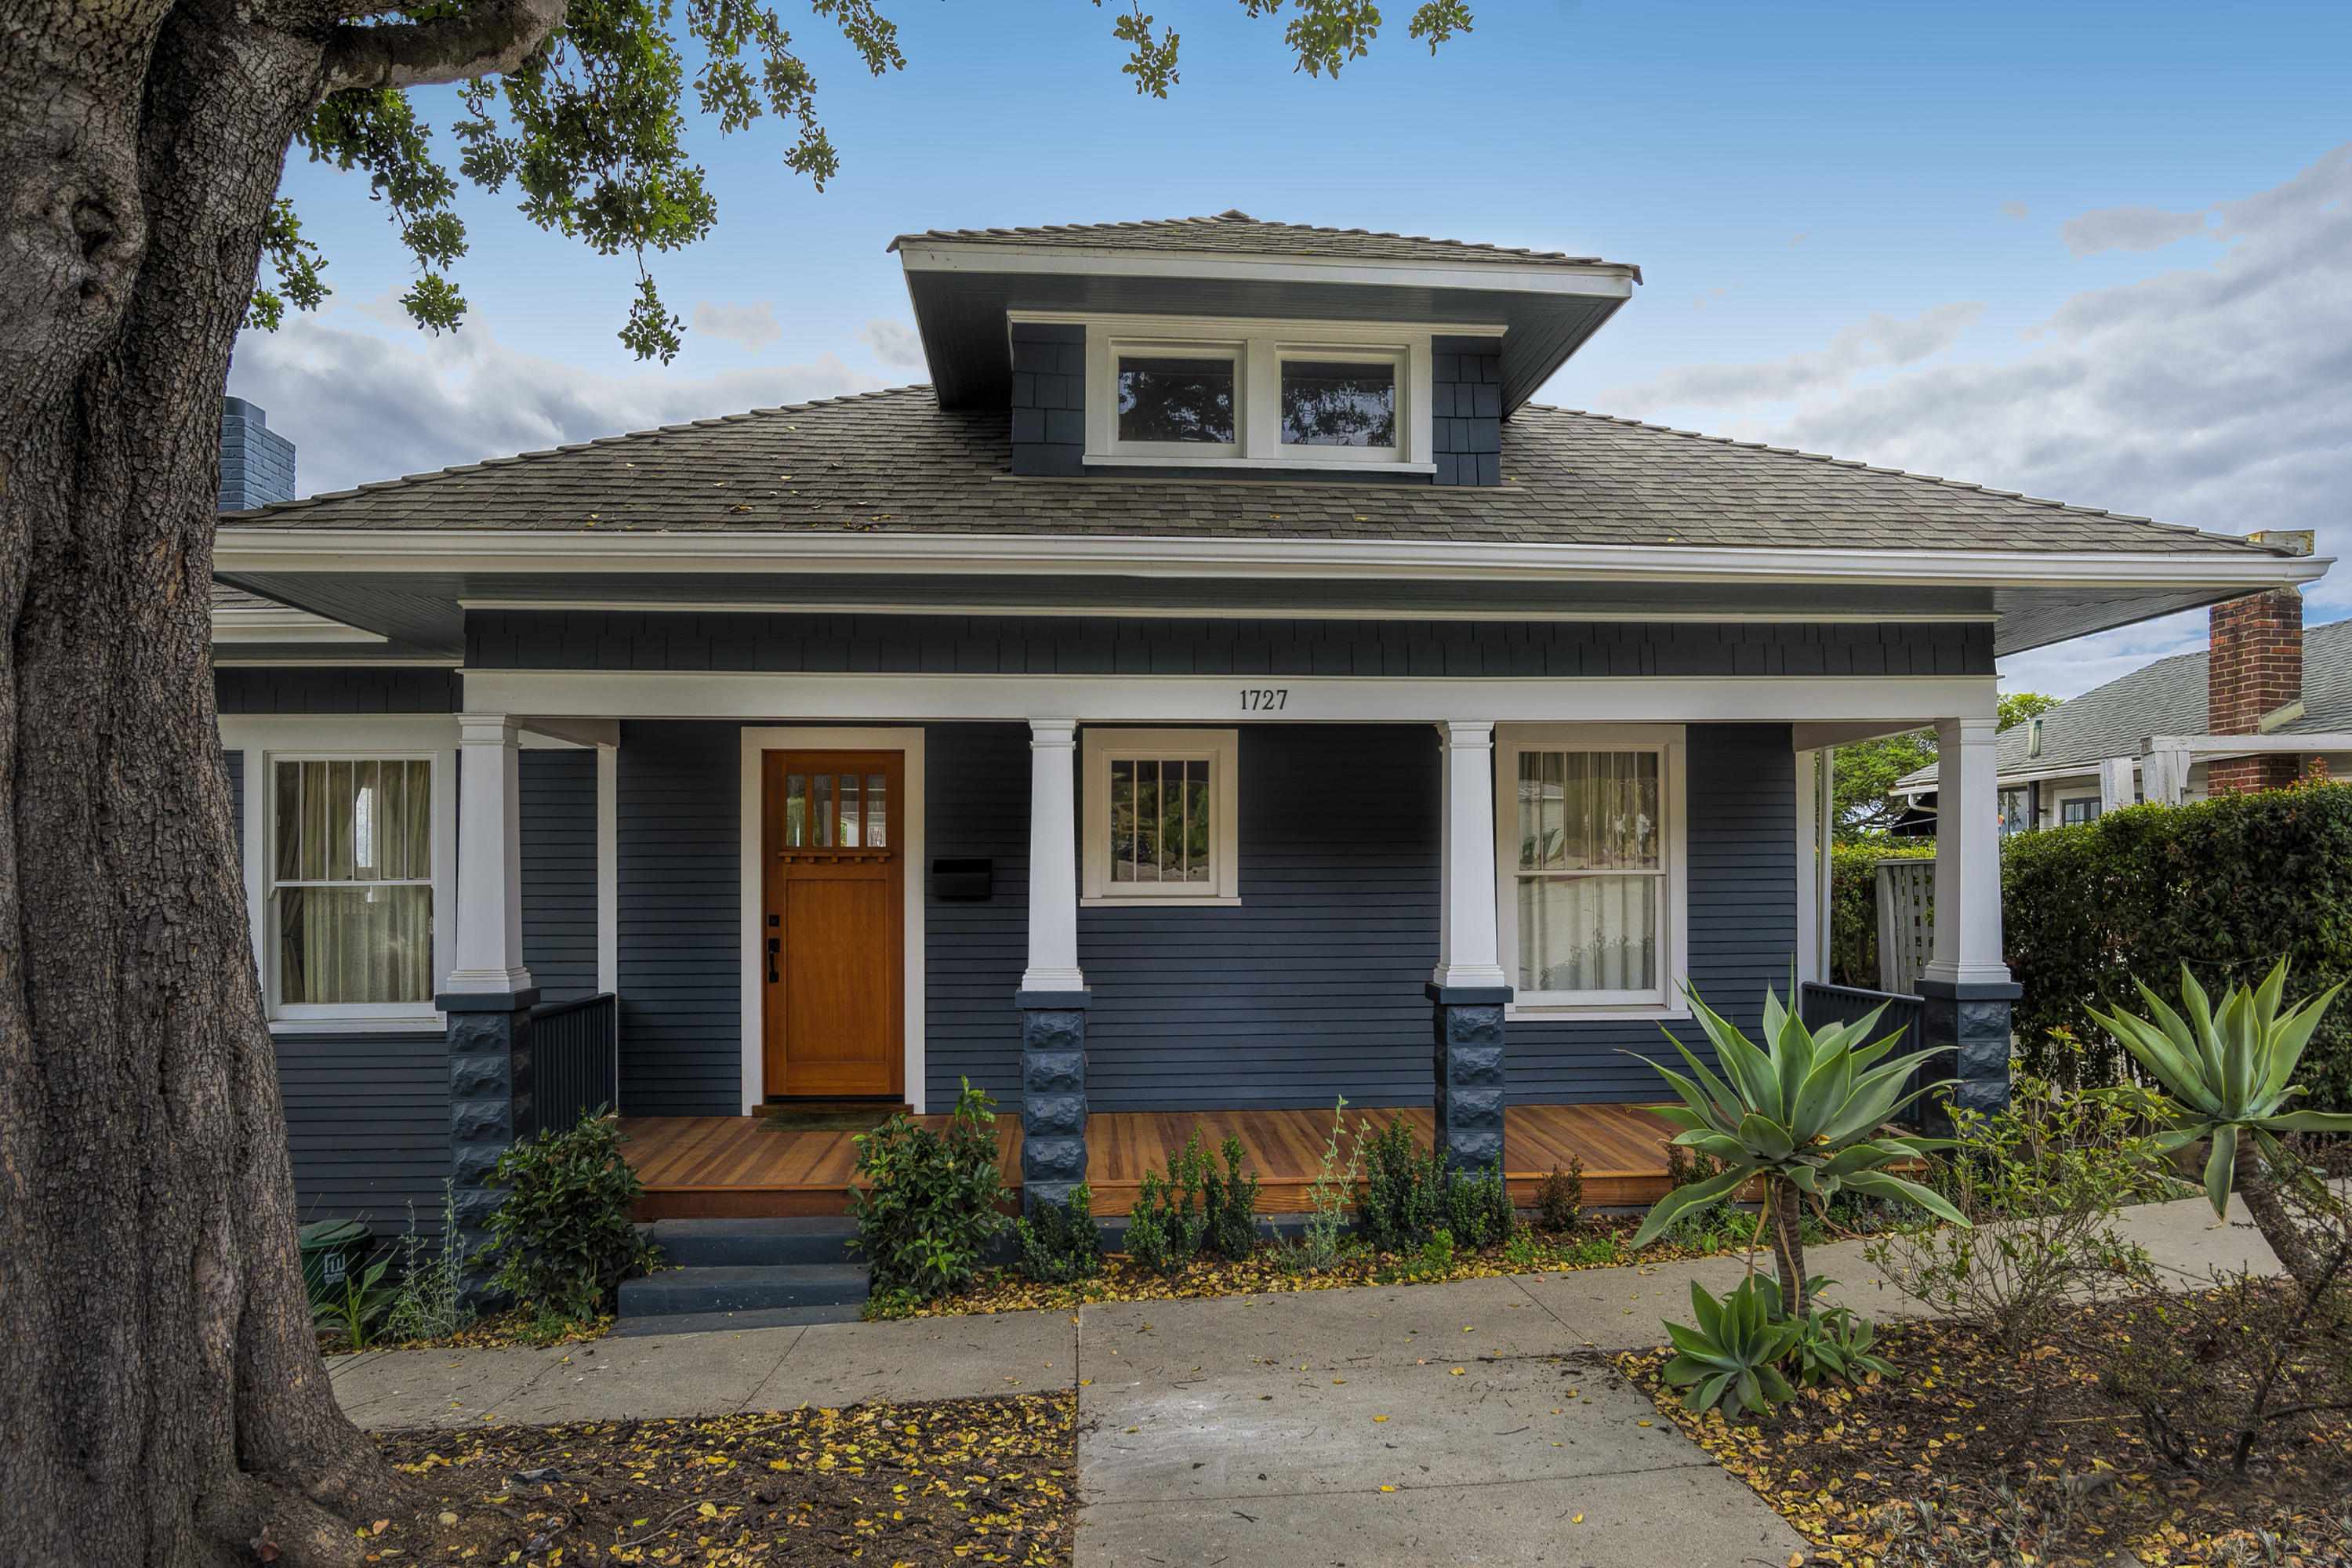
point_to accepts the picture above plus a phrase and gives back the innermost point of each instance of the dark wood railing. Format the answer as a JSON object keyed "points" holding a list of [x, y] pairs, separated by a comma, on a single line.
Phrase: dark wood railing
{"points": [[1818, 1004], [575, 1058]]}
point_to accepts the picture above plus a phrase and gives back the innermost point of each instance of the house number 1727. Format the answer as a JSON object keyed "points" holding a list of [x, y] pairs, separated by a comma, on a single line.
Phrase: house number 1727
{"points": [[1262, 699]]}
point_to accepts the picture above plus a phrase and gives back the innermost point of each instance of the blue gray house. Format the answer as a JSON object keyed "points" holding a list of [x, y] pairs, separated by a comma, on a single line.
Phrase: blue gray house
{"points": [[1221, 692]]}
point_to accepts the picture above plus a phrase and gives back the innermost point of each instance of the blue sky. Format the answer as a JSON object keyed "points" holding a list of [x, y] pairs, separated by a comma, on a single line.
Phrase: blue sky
{"points": [[2096, 252]]}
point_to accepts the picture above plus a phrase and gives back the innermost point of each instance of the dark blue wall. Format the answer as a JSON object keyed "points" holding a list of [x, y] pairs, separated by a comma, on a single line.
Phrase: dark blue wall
{"points": [[368, 1117], [976, 805], [558, 801], [680, 923], [334, 688]]}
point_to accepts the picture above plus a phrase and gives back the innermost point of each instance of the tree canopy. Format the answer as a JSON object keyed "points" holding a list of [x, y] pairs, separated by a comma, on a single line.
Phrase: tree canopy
{"points": [[1868, 769], [590, 129]]}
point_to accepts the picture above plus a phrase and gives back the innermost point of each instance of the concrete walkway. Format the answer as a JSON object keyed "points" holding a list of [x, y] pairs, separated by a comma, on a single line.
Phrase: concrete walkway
{"points": [[1470, 1422]]}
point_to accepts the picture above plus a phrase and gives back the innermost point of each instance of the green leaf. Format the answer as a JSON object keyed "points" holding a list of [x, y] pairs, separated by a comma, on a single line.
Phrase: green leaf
{"points": [[1692, 1196], [2308, 1122], [2220, 1167], [1883, 1184]]}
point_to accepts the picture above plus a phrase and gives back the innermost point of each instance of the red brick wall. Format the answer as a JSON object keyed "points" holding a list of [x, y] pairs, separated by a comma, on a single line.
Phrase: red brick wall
{"points": [[2256, 668]]}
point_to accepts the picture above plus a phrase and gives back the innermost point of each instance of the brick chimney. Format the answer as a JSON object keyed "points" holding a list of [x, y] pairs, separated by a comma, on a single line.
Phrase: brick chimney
{"points": [[2255, 676], [257, 464]]}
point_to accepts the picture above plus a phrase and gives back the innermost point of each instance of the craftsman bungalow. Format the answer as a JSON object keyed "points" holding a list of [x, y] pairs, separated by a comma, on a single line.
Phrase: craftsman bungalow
{"points": [[1219, 678]]}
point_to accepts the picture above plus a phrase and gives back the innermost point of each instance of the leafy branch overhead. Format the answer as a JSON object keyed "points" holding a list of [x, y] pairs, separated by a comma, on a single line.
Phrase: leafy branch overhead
{"points": [[591, 126]]}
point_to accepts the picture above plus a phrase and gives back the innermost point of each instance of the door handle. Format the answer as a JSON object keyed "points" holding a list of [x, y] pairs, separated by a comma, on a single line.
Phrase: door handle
{"points": [[774, 945]]}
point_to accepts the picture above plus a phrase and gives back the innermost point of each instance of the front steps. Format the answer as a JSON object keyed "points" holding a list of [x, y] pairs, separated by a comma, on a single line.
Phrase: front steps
{"points": [[771, 1270]]}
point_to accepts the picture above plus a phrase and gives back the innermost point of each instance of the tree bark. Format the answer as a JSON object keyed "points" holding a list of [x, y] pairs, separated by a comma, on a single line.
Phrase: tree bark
{"points": [[1785, 1212], [162, 1398], [2251, 1178]]}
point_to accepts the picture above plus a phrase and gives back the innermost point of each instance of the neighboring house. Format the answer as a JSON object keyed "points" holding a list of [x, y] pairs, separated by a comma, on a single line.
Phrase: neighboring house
{"points": [[2263, 703], [1221, 685]]}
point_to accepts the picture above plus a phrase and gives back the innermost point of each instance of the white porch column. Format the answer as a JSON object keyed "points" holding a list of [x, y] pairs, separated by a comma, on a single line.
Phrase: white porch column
{"points": [[1967, 855], [490, 860], [1053, 857], [2115, 784], [1466, 948]]}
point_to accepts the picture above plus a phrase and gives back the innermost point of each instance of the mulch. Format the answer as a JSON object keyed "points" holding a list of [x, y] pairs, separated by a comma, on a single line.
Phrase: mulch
{"points": [[954, 1481], [1980, 1455]]}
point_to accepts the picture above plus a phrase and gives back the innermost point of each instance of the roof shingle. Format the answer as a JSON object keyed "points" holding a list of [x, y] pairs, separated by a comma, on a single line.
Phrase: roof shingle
{"points": [[1237, 233]]}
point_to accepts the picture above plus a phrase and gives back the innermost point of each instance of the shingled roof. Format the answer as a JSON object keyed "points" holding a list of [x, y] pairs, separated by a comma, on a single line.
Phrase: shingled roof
{"points": [[895, 461], [1237, 233]]}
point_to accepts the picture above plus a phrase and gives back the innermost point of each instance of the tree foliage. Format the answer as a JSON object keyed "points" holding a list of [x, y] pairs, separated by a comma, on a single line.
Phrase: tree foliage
{"points": [[590, 130]]}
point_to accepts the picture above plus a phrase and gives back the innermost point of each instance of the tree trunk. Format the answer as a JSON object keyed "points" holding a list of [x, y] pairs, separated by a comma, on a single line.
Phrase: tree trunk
{"points": [[1784, 1208], [2251, 1178], [162, 1398]]}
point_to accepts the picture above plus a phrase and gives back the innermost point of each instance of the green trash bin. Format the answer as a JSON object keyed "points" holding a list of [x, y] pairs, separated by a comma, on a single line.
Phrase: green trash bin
{"points": [[332, 1250]]}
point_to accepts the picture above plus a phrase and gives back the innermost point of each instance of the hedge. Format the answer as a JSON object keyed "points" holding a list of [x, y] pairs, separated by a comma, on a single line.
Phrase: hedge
{"points": [[2229, 885]]}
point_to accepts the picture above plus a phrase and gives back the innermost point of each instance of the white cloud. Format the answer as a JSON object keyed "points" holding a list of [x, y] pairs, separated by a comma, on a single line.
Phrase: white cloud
{"points": [[2211, 396], [2128, 228], [358, 405], [2014, 209], [753, 326], [893, 342], [1880, 341]]}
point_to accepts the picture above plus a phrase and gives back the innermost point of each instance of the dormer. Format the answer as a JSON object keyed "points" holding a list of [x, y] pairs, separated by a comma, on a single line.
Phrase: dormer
{"points": [[1227, 347]]}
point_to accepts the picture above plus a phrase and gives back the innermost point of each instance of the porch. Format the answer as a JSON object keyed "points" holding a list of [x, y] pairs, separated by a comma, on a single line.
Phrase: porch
{"points": [[709, 1167]]}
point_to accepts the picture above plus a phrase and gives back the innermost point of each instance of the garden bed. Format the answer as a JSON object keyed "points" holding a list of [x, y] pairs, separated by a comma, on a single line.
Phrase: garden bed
{"points": [[965, 1480], [1980, 1455]]}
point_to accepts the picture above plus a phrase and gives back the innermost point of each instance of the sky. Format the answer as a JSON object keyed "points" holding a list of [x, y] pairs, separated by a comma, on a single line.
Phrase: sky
{"points": [[2097, 253]]}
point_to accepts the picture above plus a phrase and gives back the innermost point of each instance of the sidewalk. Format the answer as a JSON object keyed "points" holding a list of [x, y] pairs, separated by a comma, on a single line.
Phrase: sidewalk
{"points": [[1313, 1427]]}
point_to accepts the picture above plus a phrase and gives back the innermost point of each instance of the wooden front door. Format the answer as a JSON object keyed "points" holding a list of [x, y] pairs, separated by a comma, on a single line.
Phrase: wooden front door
{"points": [[833, 922]]}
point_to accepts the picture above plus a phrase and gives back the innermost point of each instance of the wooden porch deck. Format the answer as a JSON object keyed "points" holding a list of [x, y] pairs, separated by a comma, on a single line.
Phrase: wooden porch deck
{"points": [[733, 1167]]}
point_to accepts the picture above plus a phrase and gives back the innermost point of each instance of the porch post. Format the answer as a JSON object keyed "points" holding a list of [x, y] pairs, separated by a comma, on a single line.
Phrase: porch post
{"points": [[1469, 990], [1966, 984], [487, 996], [1053, 997]]}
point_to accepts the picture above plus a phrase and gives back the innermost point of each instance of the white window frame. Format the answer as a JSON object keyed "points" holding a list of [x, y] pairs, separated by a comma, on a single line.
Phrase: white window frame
{"points": [[1222, 750], [268, 742], [1667, 999], [1258, 347]]}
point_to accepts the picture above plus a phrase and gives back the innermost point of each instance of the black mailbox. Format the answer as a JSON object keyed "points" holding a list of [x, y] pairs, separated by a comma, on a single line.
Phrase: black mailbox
{"points": [[962, 878]]}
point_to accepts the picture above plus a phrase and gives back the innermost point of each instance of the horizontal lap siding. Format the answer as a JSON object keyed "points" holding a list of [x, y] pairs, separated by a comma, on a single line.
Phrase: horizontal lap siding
{"points": [[975, 804], [367, 1116], [681, 958], [1312, 988], [1741, 849], [558, 811], [331, 688]]}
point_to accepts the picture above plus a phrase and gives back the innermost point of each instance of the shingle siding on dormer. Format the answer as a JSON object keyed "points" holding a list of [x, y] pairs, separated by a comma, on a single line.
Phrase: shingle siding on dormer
{"points": [[1466, 410], [1049, 399]]}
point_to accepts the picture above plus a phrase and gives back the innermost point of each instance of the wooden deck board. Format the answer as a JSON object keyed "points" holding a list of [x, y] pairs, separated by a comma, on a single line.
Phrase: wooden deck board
{"points": [[734, 1166]]}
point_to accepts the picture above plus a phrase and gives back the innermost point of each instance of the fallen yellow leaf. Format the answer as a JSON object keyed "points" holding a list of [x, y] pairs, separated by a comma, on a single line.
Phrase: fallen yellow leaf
{"points": [[1380, 1418], [1459, 1371], [1577, 1519], [1388, 1489]]}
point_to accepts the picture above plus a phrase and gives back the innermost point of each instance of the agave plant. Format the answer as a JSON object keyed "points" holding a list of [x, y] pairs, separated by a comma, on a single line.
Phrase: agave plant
{"points": [[1804, 1113], [1728, 1359], [2231, 1075]]}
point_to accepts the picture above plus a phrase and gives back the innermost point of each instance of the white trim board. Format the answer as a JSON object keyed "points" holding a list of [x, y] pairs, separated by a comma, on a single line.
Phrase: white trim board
{"points": [[1195, 700], [1322, 611], [1604, 279], [757, 739]]}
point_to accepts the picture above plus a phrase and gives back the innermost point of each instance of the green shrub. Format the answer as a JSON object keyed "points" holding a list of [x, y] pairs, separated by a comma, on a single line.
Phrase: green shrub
{"points": [[1561, 1199], [2228, 886], [1168, 1223], [1478, 1207], [562, 1237], [1061, 1242], [1403, 1198], [1230, 1200], [926, 1209]]}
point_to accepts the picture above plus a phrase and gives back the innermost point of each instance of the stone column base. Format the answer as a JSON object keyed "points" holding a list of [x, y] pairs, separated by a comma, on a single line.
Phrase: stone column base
{"points": [[491, 1106], [1967, 1025], [1053, 1094], [1467, 1024]]}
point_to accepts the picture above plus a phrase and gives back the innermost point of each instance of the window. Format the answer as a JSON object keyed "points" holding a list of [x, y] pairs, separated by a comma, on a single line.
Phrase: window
{"points": [[1590, 902], [1170, 400], [352, 882], [1159, 816], [1327, 403], [2076, 812], [2016, 812], [2033, 737], [836, 811]]}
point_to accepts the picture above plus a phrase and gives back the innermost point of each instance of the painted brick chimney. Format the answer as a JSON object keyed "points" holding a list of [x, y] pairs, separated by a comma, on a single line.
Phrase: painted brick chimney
{"points": [[2254, 676], [257, 464]]}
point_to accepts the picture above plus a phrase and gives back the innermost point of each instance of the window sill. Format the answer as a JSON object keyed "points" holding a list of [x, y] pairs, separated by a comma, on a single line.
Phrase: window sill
{"points": [[1163, 901], [1288, 465], [409, 1023], [1598, 1012]]}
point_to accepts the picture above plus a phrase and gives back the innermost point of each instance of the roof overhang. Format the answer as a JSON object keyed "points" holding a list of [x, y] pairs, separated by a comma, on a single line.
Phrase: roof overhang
{"points": [[413, 586], [962, 291]]}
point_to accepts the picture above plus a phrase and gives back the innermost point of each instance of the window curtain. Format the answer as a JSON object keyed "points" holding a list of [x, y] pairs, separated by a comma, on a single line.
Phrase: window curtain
{"points": [[1591, 868], [354, 860]]}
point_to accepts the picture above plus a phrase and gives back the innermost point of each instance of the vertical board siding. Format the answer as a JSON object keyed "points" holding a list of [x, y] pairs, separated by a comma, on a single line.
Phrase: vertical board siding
{"points": [[368, 1119], [1312, 988], [558, 810], [976, 803], [680, 937]]}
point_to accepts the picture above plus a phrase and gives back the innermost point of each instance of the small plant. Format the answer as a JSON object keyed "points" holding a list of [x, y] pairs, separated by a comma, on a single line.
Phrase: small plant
{"points": [[1403, 1195], [1728, 1360], [1060, 1242], [1524, 1254], [1836, 1341], [928, 1208], [1560, 1200], [430, 1301], [1598, 1252], [1168, 1224], [1437, 1255], [1231, 1201], [1478, 1207], [888, 1306], [1326, 1200], [362, 1305], [563, 1236]]}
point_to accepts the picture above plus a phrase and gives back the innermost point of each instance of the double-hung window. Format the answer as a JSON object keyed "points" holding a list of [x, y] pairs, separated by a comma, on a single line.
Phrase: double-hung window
{"points": [[351, 884], [1159, 816], [1592, 902]]}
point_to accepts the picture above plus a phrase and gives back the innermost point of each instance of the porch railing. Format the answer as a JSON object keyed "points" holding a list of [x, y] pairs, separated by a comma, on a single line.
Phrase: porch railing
{"points": [[575, 1051], [1818, 1004]]}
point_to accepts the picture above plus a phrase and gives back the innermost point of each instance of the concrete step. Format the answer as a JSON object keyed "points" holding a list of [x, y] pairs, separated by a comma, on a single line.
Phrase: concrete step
{"points": [[750, 1243], [673, 1291], [733, 1322]]}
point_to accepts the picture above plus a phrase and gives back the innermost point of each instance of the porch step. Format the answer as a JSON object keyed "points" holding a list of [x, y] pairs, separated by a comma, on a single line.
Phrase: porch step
{"points": [[675, 1293], [753, 1243]]}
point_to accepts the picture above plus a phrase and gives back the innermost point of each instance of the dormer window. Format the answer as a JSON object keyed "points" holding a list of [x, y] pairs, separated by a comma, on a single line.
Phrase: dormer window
{"points": [[1339, 403], [1176, 401]]}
